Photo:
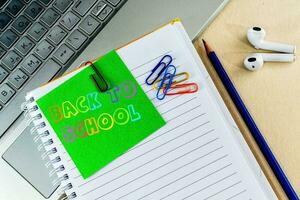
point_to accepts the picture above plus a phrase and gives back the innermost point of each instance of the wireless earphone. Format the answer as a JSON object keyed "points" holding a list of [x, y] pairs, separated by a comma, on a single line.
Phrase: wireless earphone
{"points": [[256, 36], [255, 61]]}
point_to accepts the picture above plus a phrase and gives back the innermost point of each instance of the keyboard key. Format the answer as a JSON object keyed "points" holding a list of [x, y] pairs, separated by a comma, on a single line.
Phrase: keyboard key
{"points": [[69, 20], [105, 12], [4, 20], [114, 2], [76, 39], [14, 7], [53, 65], [24, 45], [45, 2], [82, 6], [44, 49], [34, 10], [11, 60], [2, 52], [3, 74], [98, 8], [6, 93], [89, 25], [8, 38], [17, 78], [31, 64], [63, 54], [57, 34], [50, 17], [62, 5], [21, 24], [37, 31]]}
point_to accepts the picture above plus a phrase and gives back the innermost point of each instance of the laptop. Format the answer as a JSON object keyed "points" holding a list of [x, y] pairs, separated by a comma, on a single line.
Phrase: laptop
{"points": [[42, 39]]}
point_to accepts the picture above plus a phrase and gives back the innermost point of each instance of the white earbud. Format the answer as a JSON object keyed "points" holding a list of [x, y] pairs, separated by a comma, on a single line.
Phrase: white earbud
{"points": [[256, 36], [255, 61]]}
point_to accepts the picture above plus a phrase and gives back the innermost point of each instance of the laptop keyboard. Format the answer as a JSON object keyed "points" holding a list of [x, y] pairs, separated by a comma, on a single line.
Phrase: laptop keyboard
{"points": [[39, 39]]}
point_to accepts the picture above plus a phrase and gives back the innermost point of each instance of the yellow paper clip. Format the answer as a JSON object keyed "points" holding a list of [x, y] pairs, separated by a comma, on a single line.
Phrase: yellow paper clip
{"points": [[185, 76]]}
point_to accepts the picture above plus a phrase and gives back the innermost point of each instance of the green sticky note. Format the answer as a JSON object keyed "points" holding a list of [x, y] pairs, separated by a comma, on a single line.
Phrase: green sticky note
{"points": [[97, 127]]}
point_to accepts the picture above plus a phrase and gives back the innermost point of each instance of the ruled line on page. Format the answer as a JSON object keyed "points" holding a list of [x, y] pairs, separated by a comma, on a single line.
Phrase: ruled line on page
{"points": [[74, 167], [169, 162], [190, 195], [180, 114], [193, 150], [185, 112], [173, 181], [144, 153], [235, 195], [143, 75], [194, 160], [179, 105], [140, 145], [188, 175], [236, 183], [167, 100], [151, 60], [202, 178], [175, 97], [157, 136]]}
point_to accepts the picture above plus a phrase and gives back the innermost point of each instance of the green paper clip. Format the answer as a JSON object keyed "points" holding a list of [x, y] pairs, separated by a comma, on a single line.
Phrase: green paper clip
{"points": [[98, 78]]}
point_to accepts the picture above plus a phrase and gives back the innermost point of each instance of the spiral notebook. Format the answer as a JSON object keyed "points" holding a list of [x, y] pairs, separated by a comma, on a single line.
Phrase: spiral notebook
{"points": [[198, 154], [95, 127]]}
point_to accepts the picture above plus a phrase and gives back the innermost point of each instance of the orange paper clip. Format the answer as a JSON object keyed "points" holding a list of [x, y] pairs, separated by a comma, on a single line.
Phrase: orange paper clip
{"points": [[185, 88]]}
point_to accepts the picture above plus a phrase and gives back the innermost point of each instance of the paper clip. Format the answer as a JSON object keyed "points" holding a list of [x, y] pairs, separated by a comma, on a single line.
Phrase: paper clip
{"points": [[164, 87], [185, 88], [98, 78], [162, 63], [185, 76]]}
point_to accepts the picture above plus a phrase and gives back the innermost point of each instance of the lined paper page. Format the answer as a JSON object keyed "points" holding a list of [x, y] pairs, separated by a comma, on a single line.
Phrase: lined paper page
{"points": [[194, 156]]}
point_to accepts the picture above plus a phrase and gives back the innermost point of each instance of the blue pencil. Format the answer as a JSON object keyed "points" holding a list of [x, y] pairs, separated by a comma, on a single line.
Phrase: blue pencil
{"points": [[265, 149]]}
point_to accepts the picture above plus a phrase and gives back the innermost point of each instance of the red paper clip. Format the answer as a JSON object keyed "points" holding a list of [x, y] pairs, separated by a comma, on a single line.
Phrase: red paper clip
{"points": [[185, 88]]}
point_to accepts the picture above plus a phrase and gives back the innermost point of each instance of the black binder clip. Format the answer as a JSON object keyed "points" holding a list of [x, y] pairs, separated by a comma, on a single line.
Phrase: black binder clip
{"points": [[98, 78]]}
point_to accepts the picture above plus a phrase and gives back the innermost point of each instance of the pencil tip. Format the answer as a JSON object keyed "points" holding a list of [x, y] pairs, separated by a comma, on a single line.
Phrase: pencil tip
{"points": [[206, 46]]}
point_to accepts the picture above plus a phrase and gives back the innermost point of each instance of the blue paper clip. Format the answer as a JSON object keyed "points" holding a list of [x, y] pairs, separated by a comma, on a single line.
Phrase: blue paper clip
{"points": [[162, 63], [164, 87]]}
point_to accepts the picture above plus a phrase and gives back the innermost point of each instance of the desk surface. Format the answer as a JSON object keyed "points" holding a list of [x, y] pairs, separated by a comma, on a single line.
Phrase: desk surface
{"points": [[272, 94]]}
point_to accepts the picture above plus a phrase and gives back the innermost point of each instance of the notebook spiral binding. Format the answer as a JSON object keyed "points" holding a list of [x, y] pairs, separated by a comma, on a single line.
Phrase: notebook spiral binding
{"points": [[41, 134]]}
